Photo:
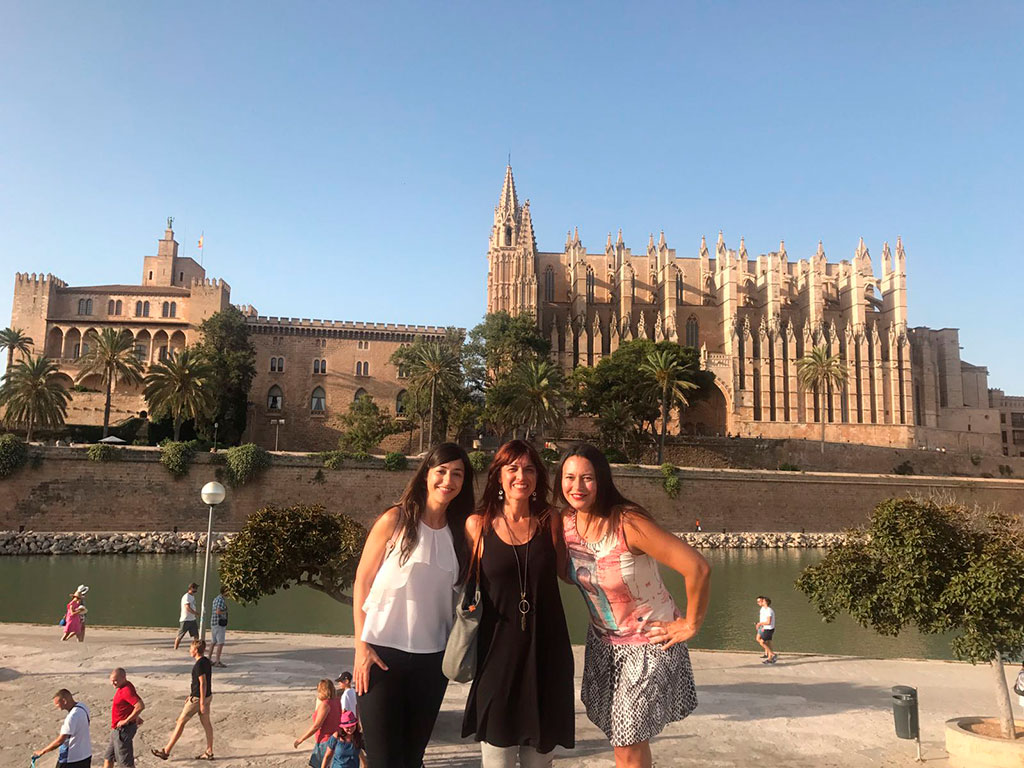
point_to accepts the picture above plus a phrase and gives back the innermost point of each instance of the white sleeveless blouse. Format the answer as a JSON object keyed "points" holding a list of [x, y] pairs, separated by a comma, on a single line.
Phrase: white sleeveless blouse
{"points": [[411, 606]]}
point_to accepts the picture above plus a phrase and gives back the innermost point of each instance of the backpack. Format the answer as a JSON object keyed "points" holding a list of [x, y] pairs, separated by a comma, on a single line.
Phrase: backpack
{"points": [[1018, 685]]}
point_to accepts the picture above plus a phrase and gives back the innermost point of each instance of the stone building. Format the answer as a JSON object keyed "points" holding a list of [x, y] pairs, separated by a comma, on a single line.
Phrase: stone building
{"points": [[751, 318], [1011, 421], [307, 371]]}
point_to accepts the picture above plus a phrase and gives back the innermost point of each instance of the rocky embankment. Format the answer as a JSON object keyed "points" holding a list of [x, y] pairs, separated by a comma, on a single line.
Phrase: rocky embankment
{"points": [[190, 542]]}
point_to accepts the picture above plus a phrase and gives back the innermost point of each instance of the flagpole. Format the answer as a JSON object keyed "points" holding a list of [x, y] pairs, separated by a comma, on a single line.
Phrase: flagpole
{"points": [[201, 244]]}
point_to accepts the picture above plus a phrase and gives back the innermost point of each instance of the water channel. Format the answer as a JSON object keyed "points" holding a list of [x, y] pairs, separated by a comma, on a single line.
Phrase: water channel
{"points": [[144, 590]]}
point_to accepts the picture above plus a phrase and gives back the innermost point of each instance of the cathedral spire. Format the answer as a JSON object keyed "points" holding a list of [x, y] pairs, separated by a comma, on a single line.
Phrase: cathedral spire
{"points": [[508, 203]]}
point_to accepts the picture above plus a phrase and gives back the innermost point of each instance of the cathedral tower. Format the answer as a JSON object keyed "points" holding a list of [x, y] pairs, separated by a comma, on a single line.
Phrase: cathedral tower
{"points": [[512, 255]]}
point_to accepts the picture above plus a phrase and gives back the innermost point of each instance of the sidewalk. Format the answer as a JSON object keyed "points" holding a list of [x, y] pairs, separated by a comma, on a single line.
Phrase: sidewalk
{"points": [[804, 711]]}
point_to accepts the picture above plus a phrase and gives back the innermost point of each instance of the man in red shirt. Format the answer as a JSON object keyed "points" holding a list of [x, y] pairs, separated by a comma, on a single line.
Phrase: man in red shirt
{"points": [[124, 721]]}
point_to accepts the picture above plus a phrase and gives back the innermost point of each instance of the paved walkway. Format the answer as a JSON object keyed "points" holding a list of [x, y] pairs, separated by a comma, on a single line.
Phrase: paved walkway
{"points": [[804, 711]]}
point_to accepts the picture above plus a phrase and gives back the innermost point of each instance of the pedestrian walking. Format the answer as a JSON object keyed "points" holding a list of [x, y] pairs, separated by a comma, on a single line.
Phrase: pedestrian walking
{"points": [[637, 676], [326, 717], [73, 743], [349, 700], [188, 618], [124, 721], [345, 747], [521, 704], [74, 614], [403, 608], [765, 629], [197, 703], [218, 627]]}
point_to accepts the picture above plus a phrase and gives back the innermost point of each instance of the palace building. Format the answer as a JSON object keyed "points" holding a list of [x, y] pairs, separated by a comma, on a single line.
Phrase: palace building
{"points": [[752, 318]]}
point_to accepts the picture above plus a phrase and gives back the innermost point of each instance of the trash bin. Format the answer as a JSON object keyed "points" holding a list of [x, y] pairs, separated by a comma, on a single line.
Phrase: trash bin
{"points": [[904, 711]]}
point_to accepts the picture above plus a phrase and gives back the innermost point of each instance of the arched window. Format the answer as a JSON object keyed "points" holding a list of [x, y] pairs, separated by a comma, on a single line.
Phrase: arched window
{"points": [[316, 366], [174, 309], [400, 402], [138, 309], [508, 235], [366, 369], [362, 369], [360, 393], [166, 310], [110, 307], [549, 284], [318, 402], [403, 372], [145, 309], [151, 274], [273, 365], [280, 364], [692, 332], [590, 286], [117, 307], [632, 287], [181, 279], [679, 289], [275, 398], [323, 366]]}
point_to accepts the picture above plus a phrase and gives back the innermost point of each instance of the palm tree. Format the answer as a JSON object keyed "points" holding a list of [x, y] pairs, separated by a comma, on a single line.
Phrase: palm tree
{"points": [[180, 385], [32, 395], [820, 372], [111, 353], [669, 372], [15, 340], [539, 394], [438, 367]]}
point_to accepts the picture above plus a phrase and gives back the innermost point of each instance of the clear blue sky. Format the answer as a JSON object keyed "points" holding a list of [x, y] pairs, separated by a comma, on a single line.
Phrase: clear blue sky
{"points": [[344, 159]]}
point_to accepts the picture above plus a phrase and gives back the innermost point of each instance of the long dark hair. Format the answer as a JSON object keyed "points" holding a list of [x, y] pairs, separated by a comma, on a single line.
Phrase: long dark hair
{"points": [[490, 506], [609, 503], [414, 500]]}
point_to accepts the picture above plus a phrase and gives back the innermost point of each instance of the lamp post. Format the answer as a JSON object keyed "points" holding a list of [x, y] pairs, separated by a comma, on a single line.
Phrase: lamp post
{"points": [[277, 431], [213, 494], [215, 425]]}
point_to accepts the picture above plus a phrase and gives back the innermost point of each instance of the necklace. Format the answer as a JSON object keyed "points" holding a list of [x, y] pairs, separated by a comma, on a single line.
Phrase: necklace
{"points": [[524, 604], [593, 547]]}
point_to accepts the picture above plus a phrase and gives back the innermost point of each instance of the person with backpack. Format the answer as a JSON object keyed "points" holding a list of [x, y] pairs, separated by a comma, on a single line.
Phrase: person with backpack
{"points": [[73, 742]]}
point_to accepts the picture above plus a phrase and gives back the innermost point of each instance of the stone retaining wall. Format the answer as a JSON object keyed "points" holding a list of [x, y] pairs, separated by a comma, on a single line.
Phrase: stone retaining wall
{"points": [[163, 543]]}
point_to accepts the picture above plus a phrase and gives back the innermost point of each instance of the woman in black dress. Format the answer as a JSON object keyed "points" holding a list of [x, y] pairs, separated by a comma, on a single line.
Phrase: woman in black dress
{"points": [[521, 703]]}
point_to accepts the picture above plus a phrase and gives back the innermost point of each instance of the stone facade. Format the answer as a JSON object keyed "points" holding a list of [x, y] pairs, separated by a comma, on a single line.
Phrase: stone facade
{"points": [[1011, 421], [307, 371], [751, 318]]}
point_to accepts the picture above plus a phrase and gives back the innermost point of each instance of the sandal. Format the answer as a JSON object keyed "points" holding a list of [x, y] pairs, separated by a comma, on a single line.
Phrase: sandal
{"points": [[205, 756], [160, 753]]}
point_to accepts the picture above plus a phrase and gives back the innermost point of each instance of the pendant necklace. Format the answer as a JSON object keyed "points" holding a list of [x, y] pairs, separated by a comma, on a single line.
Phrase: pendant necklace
{"points": [[521, 572]]}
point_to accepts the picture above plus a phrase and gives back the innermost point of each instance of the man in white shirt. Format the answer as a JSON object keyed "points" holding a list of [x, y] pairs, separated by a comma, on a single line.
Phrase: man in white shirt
{"points": [[348, 693], [73, 742], [766, 628], [188, 619]]}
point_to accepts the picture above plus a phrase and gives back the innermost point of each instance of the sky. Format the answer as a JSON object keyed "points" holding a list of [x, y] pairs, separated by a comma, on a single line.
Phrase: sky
{"points": [[343, 160]]}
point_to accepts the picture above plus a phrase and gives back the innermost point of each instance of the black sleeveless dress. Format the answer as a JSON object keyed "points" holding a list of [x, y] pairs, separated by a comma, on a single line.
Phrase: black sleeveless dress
{"points": [[523, 690]]}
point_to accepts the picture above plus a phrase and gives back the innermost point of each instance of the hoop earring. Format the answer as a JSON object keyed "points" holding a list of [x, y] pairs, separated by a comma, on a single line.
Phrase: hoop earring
{"points": [[501, 494], [534, 496]]}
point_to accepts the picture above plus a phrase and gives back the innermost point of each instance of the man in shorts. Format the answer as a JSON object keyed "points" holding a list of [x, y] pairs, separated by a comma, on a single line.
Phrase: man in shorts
{"points": [[73, 742], [766, 628], [188, 619], [124, 721], [218, 627]]}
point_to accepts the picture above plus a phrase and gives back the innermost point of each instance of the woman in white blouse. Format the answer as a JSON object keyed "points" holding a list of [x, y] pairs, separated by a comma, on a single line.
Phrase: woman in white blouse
{"points": [[403, 601]]}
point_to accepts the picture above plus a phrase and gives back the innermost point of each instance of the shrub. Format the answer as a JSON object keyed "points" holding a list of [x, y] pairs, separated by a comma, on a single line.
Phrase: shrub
{"points": [[104, 452], [140, 441], [395, 461], [333, 459], [360, 456], [670, 480], [176, 457], [975, 459], [986, 475], [550, 455], [319, 478], [1006, 470], [906, 468], [13, 454], [245, 463], [615, 456], [787, 467], [479, 460]]}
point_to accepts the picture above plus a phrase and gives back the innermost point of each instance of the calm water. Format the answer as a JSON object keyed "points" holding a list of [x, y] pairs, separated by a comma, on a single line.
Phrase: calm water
{"points": [[144, 590]]}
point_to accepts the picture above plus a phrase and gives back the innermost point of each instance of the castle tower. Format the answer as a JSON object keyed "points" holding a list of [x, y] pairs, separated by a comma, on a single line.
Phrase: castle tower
{"points": [[167, 269], [512, 255]]}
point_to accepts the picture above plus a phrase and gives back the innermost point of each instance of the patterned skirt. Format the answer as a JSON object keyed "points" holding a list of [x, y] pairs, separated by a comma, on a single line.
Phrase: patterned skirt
{"points": [[631, 692]]}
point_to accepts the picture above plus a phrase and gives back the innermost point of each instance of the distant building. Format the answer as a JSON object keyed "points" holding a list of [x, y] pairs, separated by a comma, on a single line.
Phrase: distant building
{"points": [[751, 318], [1011, 421]]}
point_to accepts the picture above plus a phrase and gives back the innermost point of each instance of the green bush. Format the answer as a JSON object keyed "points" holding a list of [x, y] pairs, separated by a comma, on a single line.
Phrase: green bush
{"points": [[13, 454], [906, 468], [319, 478], [360, 456], [615, 456], [550, 455], [140, 441], [975, 459], [333, 459], [787, 467], [176, 457], [670, 480], [479, 460], [245, 463], [395, 461], [986, 475], [104, 452], [1006, 470]]}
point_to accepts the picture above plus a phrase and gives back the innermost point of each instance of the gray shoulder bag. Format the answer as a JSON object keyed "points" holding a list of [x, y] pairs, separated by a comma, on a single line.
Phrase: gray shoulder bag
{"points": [[459, 663]]}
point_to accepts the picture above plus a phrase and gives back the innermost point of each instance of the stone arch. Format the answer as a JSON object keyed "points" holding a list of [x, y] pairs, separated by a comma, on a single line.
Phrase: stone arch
{"points": [[707, 416], [143, 342], [360, 393], [94, 381], [318, 400], [161, 345], [55, 343], [72, 343], [65, 381], [177, 342], [275, 398], [400, 402]]}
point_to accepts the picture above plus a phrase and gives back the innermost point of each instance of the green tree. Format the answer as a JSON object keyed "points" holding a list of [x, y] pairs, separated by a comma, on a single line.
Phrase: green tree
{"points": [[110, 353], [820, 372], [365, 425], [296, 545], [939, 568], [181, 385], [436, 368], [15, 340], [500, 342], [226, 347], [538, 396], [672, 379], [32, 396]]}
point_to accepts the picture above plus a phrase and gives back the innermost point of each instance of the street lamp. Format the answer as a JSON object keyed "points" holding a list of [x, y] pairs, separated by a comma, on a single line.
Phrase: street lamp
{"points": [[213, 494], [215, 425], [277, 431]]}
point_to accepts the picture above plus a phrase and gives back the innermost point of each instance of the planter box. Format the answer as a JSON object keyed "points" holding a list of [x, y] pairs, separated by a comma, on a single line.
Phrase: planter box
{"points": [[972, 750]]}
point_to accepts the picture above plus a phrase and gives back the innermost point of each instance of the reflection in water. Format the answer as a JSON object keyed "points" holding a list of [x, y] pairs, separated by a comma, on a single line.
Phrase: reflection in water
{"points": [[145, 590]]}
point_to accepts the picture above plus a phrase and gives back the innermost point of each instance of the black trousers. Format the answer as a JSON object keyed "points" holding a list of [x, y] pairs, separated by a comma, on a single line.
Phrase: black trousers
{"points": [[400, 706]]}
